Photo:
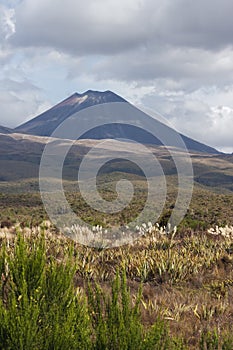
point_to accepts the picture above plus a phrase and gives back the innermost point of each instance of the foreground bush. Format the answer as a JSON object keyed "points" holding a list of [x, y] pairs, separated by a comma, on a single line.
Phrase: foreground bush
{"points": [[40, 308]]}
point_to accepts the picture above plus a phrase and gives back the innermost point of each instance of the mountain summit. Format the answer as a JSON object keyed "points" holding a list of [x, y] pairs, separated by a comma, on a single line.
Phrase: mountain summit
{"points": [[47, 122]]}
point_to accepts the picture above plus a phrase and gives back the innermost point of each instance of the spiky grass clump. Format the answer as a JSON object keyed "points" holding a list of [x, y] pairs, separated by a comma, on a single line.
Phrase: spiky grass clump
{"points": [[41, 308]]}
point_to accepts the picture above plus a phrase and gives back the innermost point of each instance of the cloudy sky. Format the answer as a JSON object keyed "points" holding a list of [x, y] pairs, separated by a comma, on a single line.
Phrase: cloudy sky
{"points": [[174, 56]]}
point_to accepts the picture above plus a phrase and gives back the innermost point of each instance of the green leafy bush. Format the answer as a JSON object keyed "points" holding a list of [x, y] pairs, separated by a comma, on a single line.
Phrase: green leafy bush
{"points": [[40, 308]]}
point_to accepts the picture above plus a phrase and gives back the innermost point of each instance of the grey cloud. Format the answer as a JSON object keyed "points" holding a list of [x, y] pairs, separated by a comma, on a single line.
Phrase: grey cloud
{"points": [[109, 27], [5, 56], [206, 24], [180, 43], [181, 68], [195, 118], [16, 86], [78, 27], [19, 101]]}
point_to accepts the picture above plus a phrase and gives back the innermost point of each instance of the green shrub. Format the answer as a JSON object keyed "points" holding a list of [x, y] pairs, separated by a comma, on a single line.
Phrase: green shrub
{"points": [[209, 340], [41, 309], [115, 320]]}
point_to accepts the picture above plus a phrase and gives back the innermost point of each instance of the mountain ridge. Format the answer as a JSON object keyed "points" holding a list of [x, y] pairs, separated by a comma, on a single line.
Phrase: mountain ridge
{"points": [[5, 130], [45, 123]]}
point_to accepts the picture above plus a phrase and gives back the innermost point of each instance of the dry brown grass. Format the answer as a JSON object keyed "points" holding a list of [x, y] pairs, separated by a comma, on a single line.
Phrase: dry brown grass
{"points": [[187, 280]]}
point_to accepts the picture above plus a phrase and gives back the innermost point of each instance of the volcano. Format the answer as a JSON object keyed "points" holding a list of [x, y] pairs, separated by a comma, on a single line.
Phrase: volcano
{"points": [[45, 123]]}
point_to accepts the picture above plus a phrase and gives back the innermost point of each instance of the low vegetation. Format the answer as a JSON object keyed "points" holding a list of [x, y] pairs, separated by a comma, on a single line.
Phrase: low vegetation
{"points": [[164, 291], [21, 202]]}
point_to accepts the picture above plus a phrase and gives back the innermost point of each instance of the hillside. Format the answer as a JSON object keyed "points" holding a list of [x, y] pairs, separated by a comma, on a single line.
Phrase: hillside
{"points": [[20, 156], [4, 130]]}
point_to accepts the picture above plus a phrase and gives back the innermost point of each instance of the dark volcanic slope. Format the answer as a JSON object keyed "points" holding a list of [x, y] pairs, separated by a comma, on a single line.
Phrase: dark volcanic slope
{"points": [[47, 122], [4, 130]]}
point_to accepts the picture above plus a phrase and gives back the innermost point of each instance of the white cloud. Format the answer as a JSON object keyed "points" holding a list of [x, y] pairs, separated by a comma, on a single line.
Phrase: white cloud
{"points": [[19, 102], [7, 25], [193, 115]]}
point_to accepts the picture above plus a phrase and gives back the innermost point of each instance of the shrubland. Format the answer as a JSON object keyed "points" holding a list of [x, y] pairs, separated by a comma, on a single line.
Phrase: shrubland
{"points": [[162, 291]]}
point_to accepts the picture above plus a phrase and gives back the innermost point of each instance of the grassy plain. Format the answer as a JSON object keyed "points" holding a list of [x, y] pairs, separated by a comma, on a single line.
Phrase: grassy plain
{"points": [[163, 291]]}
